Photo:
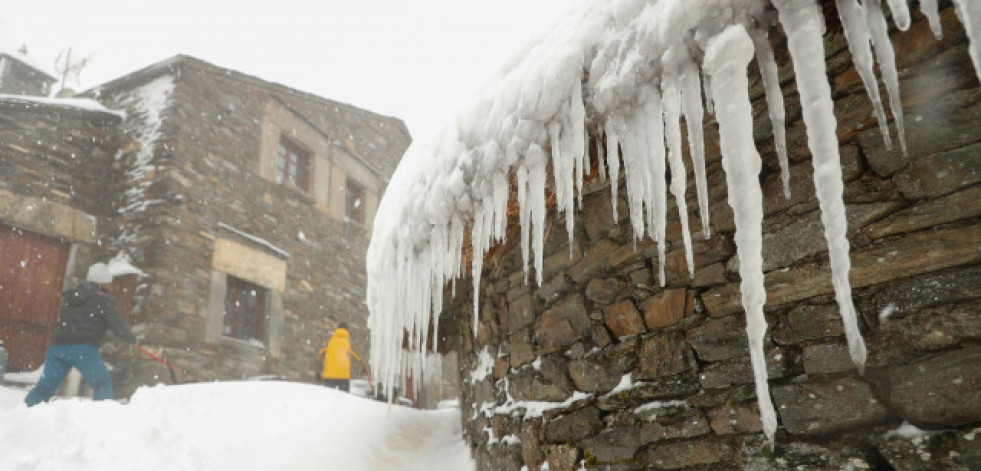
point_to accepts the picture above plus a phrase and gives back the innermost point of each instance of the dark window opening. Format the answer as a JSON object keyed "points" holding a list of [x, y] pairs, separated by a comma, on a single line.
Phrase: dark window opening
{"points": [[245, 310], [292, 164], [354, 203]]}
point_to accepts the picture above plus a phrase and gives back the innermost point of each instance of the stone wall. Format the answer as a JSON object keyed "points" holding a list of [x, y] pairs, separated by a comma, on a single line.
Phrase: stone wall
{"points": [[55, 168], [559, 351]]}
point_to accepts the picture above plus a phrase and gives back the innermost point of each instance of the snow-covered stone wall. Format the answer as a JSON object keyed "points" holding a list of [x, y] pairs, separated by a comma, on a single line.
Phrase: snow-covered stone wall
{"points": [[633, 353]]}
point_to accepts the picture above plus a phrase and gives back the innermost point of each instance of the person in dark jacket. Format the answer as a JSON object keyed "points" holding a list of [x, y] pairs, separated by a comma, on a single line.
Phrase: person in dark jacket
{"points": [[85, 313]]}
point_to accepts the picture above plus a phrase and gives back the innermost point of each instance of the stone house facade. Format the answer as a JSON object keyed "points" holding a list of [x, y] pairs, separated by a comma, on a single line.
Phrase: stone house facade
{"points": [[244, 208], [914, 224]]}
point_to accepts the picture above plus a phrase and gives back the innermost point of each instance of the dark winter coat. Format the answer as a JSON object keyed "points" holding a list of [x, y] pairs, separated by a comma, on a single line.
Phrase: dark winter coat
{"points": [[86, 311]]}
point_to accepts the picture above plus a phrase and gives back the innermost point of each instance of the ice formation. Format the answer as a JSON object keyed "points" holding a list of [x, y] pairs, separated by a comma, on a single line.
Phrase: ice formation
{"points": [[627, 71]]}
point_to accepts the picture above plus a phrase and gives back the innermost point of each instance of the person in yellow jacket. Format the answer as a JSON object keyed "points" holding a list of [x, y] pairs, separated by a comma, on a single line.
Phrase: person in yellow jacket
{"points": [[337, 360]]}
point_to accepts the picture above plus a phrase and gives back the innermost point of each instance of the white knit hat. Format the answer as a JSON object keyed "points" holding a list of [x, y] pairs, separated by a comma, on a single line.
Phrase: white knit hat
{"points": [[99, 273]]}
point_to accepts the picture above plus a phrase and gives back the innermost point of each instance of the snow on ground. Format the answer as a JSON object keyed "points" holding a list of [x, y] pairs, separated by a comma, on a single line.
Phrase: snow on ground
{"points": [[230, 426]]}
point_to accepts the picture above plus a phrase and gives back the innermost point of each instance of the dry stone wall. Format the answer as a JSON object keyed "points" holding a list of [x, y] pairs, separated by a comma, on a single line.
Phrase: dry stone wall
{"points": [[543, 381]]}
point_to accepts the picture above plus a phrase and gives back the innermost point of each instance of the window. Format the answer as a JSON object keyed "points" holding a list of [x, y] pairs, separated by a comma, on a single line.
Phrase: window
{"points": [[292, 164], [354, 203], [245, 310]]}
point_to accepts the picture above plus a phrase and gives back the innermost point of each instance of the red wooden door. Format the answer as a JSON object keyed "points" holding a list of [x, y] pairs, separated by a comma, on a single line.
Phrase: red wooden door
{"points": [[32, 271]]}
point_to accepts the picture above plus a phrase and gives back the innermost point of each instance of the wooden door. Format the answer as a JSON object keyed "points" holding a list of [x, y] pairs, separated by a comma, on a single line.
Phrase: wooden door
{"points": [[32, 271]]}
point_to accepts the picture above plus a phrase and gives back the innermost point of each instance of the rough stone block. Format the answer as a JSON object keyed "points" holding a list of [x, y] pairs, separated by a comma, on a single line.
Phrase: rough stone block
{"points": [[689, 454], [689, 425], [623, 319], [612, 445], [665, 308], [964, 204], [827, 358], [664, 355], [728, 421], [561, 457], [814, 409], [574, 426], [604, 290], [562, 325], [941, 173], [808, 322], [521, 312], [719, 339], [942, 391]]}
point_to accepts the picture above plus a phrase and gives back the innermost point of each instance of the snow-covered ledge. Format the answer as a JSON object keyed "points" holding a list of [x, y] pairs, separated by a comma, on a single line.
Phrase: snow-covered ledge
{"points": [[628, 70]]}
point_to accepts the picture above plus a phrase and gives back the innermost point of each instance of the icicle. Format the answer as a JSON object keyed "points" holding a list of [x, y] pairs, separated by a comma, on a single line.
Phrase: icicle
{"points": [[774, 98], [613, 128], [691, 107], [803, 21], [930, 11], [671, 100], [524, 216], [563, 163], [577, 144], [969, 12], [726, 59], [900, 13], [536, 184], [859, 43], [886, 56]]}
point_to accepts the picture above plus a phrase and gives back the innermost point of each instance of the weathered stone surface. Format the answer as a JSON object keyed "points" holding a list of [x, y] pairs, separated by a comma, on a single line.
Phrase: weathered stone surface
{"points": [[615, 444], [719, 339], [521, 349], [553, 289], [521, 312], [932, 451], [911, 255], [827, 358], [664, 355], [685, 426], [623, 319], [604, 290], [594, 261], [899, 341], [689, 454], [550, 383], [941, 173], [574, 426], [714, 274], [727, 421], [531, 447], [561, 457], [648, 391], [805, 237], [814, 409], [910, 296], [942, 391], [602, 372], [964, 204], [665, 308], [808, 322], [740, 370], [946, 124], [562, 324]]}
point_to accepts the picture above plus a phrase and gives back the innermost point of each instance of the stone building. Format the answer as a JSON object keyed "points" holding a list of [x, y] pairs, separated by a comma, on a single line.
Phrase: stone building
{"points": [[601, 367], [240, 210]]}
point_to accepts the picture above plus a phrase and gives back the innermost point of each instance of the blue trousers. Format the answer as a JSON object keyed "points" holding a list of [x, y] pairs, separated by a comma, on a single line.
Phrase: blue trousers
{"points": [[59, 360]]}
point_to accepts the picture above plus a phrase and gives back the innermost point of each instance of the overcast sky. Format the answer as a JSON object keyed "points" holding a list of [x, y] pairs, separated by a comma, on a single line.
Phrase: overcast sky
{"points": [[419, 60]]}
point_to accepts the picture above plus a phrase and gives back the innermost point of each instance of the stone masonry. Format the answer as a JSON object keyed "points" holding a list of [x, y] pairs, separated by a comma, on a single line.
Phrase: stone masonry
{"points": [[690, 403]]}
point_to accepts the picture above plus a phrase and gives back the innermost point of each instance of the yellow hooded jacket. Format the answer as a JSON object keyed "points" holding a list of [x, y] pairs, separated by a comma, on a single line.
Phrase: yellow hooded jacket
{"points": [[337, 362]]}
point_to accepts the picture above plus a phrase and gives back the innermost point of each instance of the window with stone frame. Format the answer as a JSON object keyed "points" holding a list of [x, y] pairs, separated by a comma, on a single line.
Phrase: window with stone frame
{"points": [[245, 310], [293, 164], [354, 202]]}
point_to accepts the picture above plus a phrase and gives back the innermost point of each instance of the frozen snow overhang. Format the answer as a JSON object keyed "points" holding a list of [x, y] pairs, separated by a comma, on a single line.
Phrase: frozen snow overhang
{"points": [[76, 104], [628, 70]]}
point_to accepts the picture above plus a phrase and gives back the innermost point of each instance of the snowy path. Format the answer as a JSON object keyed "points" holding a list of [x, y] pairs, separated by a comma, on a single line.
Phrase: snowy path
{"points": [[228, 426], [410, 443]]}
